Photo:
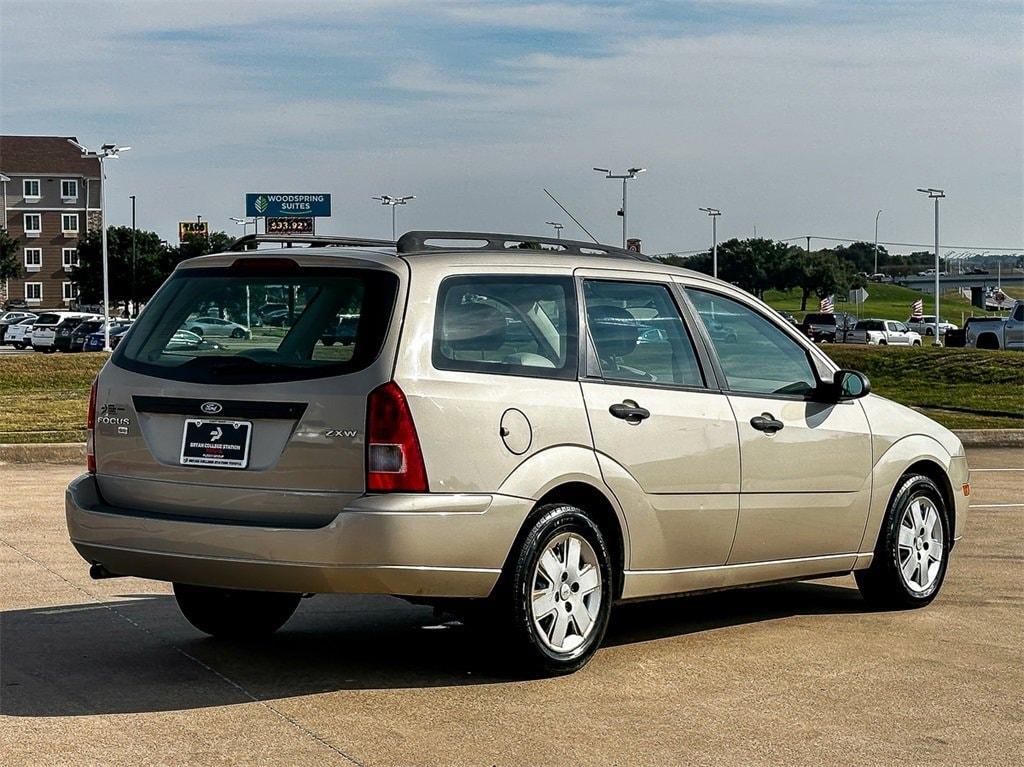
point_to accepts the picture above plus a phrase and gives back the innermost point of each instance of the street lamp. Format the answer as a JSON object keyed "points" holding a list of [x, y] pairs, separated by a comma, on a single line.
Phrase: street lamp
{"points": [[394, 202], [244, 222], [631, 173], [714, 213], [558, 228], [107, 151], [879, 213], [936, 194]]}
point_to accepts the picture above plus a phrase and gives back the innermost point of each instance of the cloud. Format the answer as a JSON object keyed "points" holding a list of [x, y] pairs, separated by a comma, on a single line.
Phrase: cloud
{"points": [[794, 117]]}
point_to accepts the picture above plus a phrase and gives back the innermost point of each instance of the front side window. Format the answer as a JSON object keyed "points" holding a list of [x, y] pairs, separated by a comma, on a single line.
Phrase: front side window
{"points": [[34, 291], [69, 189], [757, 356], [202, 326], [639, 334], [33, 224], [30, 187], [69, 222], [522, 325], [33, 259]]}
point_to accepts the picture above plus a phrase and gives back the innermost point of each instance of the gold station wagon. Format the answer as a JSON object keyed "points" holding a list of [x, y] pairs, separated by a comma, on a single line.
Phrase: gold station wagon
{"points": [[519, 427]]}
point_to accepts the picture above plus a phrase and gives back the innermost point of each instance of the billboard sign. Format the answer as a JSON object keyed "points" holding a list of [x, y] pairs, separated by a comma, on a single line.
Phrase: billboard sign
{"points": [[188, 229], [288, 225], [265, 205]]}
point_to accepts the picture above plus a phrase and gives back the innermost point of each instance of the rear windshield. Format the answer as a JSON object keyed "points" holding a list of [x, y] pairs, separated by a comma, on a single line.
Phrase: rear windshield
{"points": [[870, 325], [47, 319], [215, 325], [821, 319]]}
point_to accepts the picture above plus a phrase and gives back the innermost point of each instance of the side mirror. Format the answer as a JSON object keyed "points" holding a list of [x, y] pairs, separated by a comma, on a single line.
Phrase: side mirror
{"points": [[850, 384]]}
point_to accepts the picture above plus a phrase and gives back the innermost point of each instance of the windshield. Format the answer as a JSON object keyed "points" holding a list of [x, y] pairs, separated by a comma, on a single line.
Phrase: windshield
{"points": [[204, 325]]}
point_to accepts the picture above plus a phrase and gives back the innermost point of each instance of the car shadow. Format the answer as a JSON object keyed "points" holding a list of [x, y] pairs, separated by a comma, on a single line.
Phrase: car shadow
{"points": [[138, 654]]}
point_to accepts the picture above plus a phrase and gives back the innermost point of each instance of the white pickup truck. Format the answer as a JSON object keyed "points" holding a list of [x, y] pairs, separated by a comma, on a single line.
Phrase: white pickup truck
{"points": [[998, 334], [883, 333]]}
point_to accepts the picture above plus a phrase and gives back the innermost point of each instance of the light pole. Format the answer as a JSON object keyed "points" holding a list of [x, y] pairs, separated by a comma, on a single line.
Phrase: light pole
{"points": [[631, 173], [131, 298], [244, 222], [879, 213], [394, 202], [936, 194], [107, 151], [714, 213], [558, 228]]}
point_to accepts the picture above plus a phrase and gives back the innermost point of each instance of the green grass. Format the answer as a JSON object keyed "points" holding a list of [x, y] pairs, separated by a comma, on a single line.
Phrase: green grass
{"points": [[932, 379], [889, 302], [44, 397]]}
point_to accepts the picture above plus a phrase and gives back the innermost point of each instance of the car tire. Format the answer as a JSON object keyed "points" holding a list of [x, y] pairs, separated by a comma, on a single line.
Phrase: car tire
{"points": [[234, 614], [198, 331], [912, 552], [883, 342], [238, 333], [929, 332], [556, 592], [917, 343], [18, 346]]}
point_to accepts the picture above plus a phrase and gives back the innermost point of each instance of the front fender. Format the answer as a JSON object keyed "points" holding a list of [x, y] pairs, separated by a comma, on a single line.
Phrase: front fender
{"points": [[893, 464]]}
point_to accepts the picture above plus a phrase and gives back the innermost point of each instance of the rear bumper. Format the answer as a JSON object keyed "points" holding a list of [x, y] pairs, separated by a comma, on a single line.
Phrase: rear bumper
{"points": [[442, 545]]}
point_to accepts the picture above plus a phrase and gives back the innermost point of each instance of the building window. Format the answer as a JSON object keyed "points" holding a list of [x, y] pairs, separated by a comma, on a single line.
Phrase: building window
{"points": [[30, 188], [68, 291], [69, 223], [34, 292], [69, 189], [33, 259], [69, 257], [33, 224]]}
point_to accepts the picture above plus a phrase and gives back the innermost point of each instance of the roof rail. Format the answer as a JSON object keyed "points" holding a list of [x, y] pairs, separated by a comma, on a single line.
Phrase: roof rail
{"points": [[419, 242], [252, 241]]}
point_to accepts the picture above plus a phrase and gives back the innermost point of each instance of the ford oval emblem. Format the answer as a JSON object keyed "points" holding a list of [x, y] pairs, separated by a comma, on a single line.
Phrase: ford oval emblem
{"points": [[211, 408]]}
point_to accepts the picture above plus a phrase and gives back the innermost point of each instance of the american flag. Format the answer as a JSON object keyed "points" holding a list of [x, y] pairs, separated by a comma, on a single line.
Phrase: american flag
{"points": [[917, 309], [826, 305]]}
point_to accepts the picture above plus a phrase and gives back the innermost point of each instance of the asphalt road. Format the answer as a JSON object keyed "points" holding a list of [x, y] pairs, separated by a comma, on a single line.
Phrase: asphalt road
{"points": [[108, 672]]}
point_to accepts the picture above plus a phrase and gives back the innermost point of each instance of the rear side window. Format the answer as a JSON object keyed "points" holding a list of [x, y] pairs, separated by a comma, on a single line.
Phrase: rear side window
{"points": [[522, 325], [204, 325]]}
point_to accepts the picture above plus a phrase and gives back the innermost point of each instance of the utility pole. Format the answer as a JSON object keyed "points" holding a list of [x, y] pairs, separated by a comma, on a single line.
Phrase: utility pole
{"points": [[713, 213], [936, 194], [879, 213], [630, 173], [808, 245], [131, 298]]}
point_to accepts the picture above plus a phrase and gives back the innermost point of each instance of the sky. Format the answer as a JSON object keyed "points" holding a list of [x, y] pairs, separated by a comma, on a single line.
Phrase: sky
{"points": [[793, 117]]}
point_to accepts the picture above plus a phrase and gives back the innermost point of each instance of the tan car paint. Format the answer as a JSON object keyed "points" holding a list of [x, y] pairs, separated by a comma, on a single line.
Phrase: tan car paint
{"points": [[679, 503]]}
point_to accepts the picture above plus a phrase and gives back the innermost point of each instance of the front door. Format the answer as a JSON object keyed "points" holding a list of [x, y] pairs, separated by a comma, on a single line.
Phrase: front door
{"points": [[666, 440], [1013, 330], [806, 464]]}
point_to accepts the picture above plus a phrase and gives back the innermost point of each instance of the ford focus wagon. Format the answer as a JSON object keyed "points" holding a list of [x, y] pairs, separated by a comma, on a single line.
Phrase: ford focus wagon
{"points": [[523, 429]]}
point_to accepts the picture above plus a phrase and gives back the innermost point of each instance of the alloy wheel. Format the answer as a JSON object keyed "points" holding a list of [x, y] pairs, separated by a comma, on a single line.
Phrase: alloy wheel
{"points": [[920, 544], [566, 592]]}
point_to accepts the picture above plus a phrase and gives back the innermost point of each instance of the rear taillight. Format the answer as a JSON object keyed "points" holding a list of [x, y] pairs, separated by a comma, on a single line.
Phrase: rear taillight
{"points": [[394, 461], [90, 431]]}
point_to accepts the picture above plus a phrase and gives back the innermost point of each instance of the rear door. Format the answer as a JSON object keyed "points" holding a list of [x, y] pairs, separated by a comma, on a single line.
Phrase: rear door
{"points": [[268, 428], [665, 435], [806, 465]]}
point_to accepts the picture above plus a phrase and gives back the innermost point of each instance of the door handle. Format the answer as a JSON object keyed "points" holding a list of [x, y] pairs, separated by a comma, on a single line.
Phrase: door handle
{"points": [[767, 423], [629, 411]]}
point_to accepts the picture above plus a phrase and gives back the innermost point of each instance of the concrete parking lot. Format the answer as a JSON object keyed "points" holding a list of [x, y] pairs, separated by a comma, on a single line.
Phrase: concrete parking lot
{"points": [[107, 672]]}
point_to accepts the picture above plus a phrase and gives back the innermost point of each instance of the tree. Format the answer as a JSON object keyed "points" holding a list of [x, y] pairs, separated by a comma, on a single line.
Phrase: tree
{"points": [[821, 273], [11, 267], [862, 256]]}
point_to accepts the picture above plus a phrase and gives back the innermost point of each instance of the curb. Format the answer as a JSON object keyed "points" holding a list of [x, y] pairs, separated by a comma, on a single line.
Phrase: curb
{"points": [[45, 452], [68, 453]]}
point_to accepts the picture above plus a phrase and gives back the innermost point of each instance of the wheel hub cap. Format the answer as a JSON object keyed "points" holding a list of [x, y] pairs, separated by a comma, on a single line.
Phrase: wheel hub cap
{"points": [[566, 592], [919, 548]]}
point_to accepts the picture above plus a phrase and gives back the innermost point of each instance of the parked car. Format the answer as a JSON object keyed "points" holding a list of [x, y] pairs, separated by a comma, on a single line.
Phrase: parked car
{"points": [[184, 340], [215, 326], [12, 318], [94, 341], [827, 328], [344, 332], [75, 341], [19, 335], [44, 331], [996, 332], [880, 277], [883, 333], [926, 325], [443, 462]]}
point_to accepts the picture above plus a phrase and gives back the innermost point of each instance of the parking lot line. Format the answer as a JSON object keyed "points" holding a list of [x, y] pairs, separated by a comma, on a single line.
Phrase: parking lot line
{"points": [[978, 471], [999, 506]]}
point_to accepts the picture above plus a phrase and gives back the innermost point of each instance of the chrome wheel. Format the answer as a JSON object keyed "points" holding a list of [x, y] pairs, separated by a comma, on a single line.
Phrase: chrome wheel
{"points": [[920, 544], [567, 592]]}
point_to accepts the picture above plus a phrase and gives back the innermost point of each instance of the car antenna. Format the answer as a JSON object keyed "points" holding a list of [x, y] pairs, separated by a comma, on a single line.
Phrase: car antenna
{"points": [[570, 215]]}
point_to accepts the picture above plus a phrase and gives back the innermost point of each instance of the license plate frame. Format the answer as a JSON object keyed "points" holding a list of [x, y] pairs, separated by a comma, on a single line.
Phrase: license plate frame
{"points": [[203, 450]]}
